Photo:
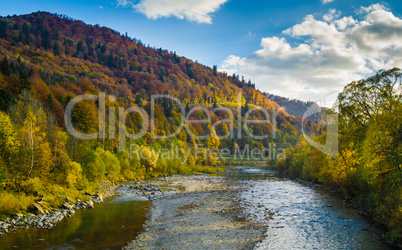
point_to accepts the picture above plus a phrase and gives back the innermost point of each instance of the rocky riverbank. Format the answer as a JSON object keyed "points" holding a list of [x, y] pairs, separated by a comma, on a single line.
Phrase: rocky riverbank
{"points": [[205, 215], [45, 217], [146, 189]]}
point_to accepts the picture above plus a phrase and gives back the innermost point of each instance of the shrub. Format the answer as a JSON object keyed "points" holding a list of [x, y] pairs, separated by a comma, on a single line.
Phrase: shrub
{"points": [[33, 186], [11, 204]]}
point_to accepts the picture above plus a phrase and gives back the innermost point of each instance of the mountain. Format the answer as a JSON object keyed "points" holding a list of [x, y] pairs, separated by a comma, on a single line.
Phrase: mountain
{"points": [[49, 60], [298, 108], [58, 58]]}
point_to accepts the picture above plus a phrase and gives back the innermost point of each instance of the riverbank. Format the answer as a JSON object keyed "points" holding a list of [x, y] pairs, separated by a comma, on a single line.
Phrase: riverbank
{"points": [[205, 215], [46, 217]]}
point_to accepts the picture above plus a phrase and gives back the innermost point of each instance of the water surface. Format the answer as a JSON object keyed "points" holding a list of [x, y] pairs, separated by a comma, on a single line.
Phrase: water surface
{"points": [[303, 217], [296, 216], [110, 225]]}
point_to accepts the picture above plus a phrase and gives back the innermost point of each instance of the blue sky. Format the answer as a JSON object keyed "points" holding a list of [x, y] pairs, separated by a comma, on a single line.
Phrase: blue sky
{"points": [[238, 36]]}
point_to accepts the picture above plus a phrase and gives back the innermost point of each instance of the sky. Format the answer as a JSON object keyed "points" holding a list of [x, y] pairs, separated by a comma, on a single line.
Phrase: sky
{"points": [[307, 49]]}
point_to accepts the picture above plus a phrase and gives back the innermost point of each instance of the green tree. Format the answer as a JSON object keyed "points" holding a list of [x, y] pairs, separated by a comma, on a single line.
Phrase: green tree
{"points": [[111, 162]]}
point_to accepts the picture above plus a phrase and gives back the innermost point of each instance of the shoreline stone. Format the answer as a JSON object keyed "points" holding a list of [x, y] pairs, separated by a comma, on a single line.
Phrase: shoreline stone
{"points": [[47, 217]]}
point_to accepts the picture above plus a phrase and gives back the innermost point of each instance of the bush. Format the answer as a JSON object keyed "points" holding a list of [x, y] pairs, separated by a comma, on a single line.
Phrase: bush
{"points": [[33, 186], [94, 170], [11, 204], [74, 175], [111, 163]]}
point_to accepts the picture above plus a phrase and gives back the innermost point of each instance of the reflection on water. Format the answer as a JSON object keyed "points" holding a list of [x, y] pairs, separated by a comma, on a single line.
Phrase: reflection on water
{"points": [[110, 225], [303, 217]]}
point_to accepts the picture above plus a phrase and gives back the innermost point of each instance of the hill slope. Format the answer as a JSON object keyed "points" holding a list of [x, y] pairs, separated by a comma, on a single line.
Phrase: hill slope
{"points": [[47, 60], [73, 58]]}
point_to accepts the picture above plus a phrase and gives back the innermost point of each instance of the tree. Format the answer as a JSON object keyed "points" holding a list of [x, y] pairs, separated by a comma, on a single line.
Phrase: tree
{"points": [[147, 158], [3, 172], [85, 117], [9, 143], [213, 140], [73, 174], [6, 99], [214, 105], [25, 33], [5, 66], [46, 39], [190, 72], [3, 29], [111, 163], [39, 152], [56, 49]]}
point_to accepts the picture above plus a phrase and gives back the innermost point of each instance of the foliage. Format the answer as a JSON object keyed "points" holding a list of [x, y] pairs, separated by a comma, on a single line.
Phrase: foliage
{"points": [[46, 60], [11, 204], [368, 167]]}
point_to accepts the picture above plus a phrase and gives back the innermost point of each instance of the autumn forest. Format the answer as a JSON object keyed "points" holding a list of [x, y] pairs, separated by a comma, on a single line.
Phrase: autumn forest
{"points": [[47, 60]]}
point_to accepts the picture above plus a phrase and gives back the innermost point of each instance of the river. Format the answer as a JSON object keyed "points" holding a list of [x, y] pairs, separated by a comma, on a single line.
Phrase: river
{"points": [[110, 225], [296, 215], [304, 217]]}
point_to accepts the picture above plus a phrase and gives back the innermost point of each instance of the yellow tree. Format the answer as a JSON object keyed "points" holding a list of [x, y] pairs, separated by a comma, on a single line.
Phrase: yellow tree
{"points": [[85, 116], [38, 149], [148, 158], [73, 174], [9, 146], [212, 143], [213, 140]]}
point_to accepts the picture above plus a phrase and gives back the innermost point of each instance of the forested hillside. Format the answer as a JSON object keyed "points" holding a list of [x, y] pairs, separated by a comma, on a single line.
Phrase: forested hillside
{"points": [[46, 60], [298, 108]]}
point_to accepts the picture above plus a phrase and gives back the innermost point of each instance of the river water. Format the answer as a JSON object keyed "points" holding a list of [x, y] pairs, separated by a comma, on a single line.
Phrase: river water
{"points": [[296, 216], [110, 225], [302, 217]]}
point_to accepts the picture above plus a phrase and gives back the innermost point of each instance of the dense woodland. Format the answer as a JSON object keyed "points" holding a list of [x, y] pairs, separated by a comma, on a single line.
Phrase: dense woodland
{"points": [[368, 166], [298, 108], [47, 59]]}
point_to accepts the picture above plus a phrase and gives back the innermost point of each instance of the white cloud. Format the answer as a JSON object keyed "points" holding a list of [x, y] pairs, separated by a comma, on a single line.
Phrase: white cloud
{"points": [[326, 1], [331, 52], [124, 3], [373, 7], [250, 35], [193, 10], [331, 15]]}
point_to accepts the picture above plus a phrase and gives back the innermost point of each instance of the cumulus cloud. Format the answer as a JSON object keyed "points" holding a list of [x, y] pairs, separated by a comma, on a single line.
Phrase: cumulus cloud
{"points": [[199, 11], [326, 1], [319, 56], [331, 15]]}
